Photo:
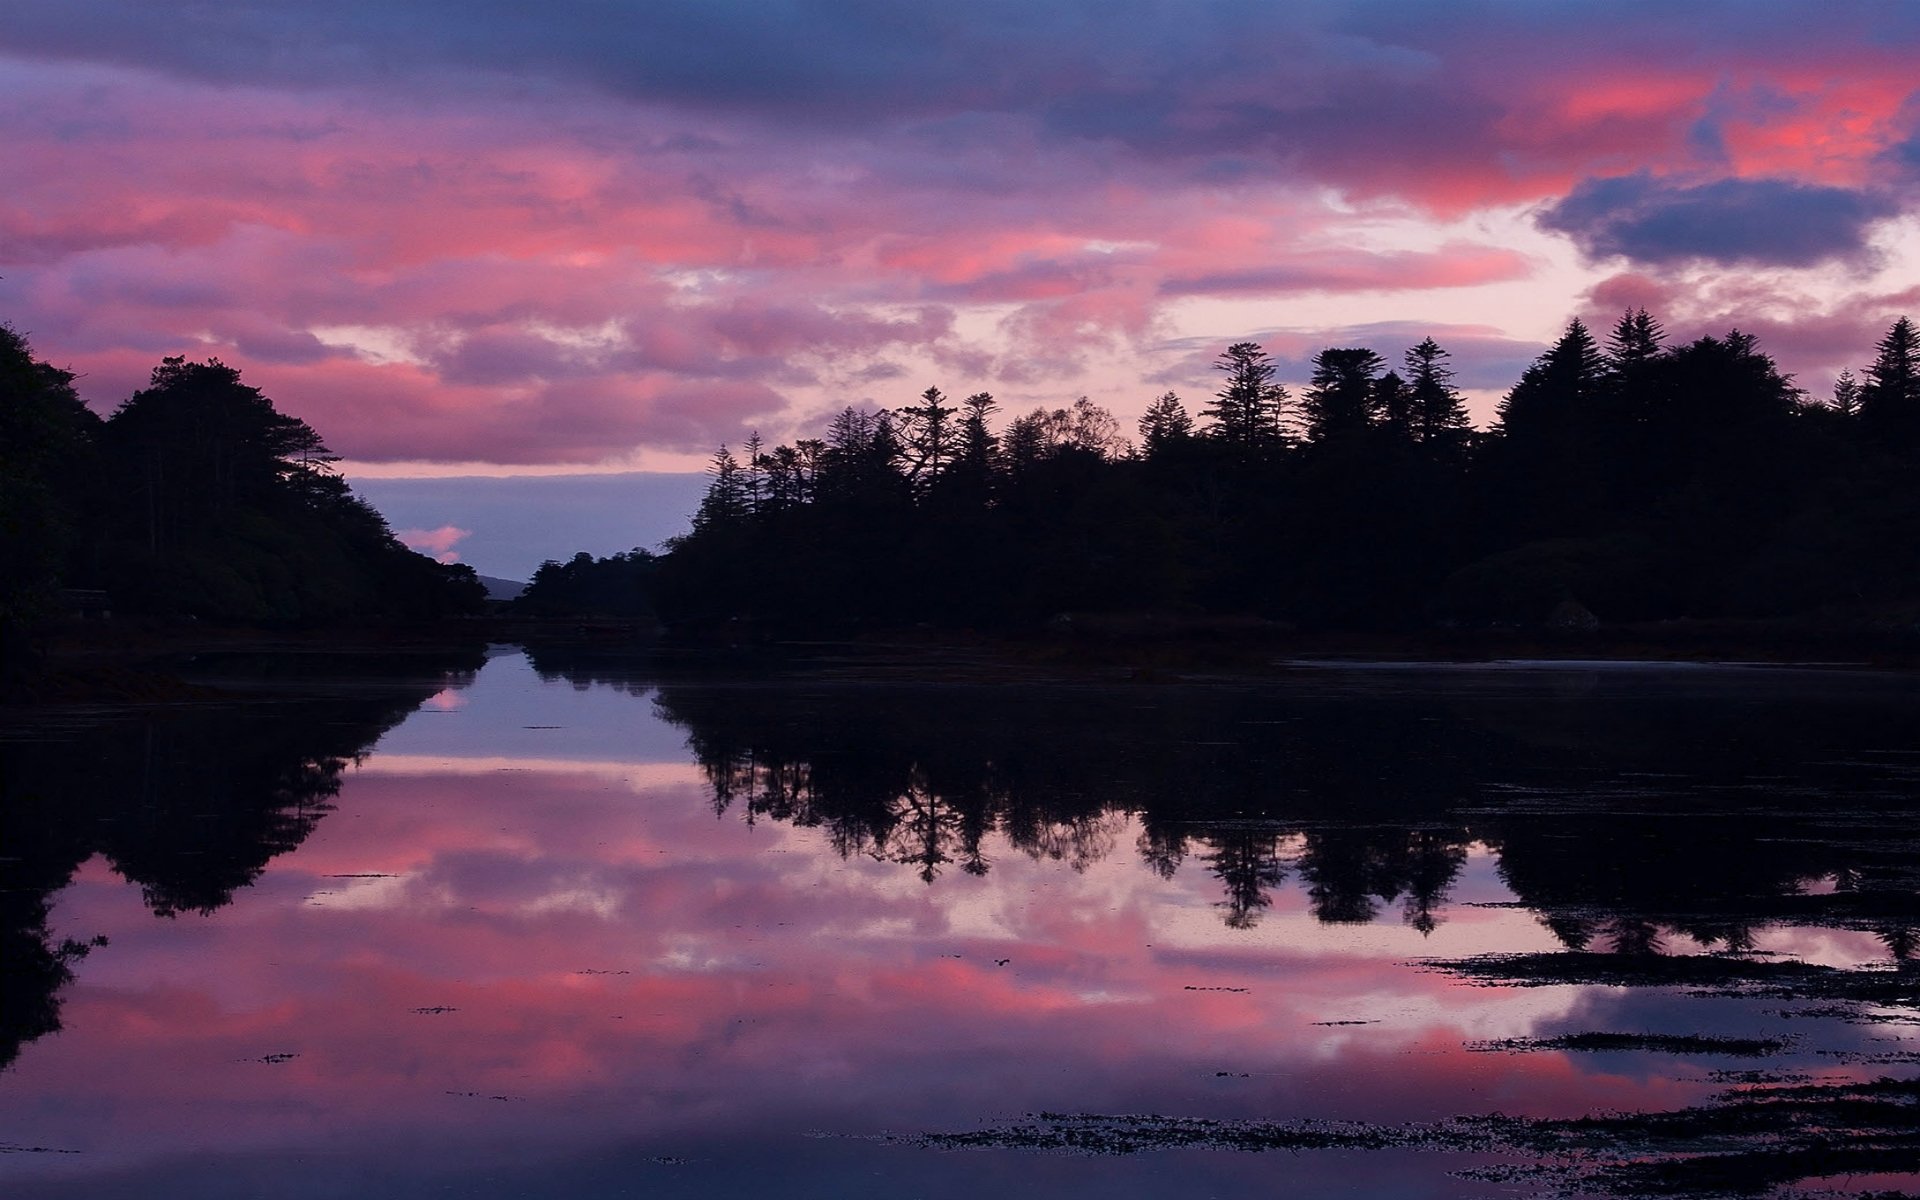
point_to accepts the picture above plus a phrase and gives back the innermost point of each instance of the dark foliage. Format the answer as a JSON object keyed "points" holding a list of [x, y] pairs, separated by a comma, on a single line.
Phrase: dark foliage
{"points": [[1638, 481], [195, 498], [620, 585]]}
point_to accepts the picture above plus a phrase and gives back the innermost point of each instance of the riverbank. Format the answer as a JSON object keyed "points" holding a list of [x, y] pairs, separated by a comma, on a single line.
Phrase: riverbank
{"points": [[142, 661]]}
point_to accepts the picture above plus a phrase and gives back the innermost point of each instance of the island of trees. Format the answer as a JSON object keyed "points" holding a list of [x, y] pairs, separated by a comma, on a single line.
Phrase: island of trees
{"points": [[195, 498], [1625, 479]]}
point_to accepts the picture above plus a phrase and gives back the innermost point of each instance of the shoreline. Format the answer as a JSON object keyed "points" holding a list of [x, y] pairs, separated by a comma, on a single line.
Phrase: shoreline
{"points": [[141, 661]]}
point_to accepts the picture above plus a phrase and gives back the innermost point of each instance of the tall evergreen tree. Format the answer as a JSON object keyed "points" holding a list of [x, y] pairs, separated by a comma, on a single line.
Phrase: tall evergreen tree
{"points": [[725, 506], [976, 461], [753, 472], [1439, 411], [927, 437], [1635, 340], [1846, 395], [1245, 413], [1165, 424], [1890, 399], [1342, 398], [1556, 397], [861, 461], [1544, 462]]}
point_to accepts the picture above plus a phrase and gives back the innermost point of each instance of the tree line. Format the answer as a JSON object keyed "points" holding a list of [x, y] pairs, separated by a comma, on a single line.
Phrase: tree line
{"points": [[1636, 478], [195, 497]]}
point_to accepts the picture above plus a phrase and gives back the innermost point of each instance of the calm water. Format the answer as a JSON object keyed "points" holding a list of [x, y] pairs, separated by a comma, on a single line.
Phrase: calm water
{"points": [[563, 929]]}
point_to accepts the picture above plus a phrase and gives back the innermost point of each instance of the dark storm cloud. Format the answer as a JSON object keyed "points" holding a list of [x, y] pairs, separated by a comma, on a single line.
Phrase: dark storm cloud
{"points": [[1766, 222]]}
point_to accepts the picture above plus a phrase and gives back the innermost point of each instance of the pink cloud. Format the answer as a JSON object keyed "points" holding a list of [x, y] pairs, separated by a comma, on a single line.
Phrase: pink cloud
{"points": [[437, 544], [658, 262]]}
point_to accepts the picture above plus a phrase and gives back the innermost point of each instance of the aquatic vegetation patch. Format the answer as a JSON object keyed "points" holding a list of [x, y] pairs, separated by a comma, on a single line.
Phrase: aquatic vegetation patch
{"points": [[1659, 1043], [1132, 1133], [1746, 1141], [1710, 974]]}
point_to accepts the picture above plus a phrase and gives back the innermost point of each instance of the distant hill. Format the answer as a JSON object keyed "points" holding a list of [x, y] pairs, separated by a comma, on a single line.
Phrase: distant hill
{"points": [[502, 589]]}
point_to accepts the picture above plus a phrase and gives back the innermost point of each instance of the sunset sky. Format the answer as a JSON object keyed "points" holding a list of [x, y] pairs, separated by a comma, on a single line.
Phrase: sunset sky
{"points": [[492, 238]]}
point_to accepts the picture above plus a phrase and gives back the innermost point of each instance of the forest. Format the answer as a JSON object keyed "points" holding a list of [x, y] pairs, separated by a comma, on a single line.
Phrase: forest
{"points": [[1630, 479], [196, 498]]}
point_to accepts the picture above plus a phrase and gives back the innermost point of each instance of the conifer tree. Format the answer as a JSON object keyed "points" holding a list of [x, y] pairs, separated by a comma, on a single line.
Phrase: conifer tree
{"points": [[927, 437], [753, 472], [1393, 405], [1439, 413], [1342, 398], [1846, 395], [976, 461], [1635, 340], [1245, 413], [725, 504], [1890, 399], [1164, 424], [1557, 394]]}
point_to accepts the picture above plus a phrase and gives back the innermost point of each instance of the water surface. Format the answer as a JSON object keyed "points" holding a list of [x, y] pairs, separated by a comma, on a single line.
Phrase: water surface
{"points": [[564, 928]]}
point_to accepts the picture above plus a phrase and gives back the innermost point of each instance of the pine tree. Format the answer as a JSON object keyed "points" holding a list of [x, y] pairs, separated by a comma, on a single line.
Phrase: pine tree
{"points": [[1890, 399], [1635, 340], [753, 472], [1164, 424], [1245, 413], [1846, 395], [725, 504], [1557, 394], [1544, 458], [927, 435], [1342, 397], [1439, 412], [976, 462]]}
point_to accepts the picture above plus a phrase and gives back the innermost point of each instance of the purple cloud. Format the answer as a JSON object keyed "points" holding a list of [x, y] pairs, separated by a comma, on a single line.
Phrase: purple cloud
{"points": [[1763, 222]]}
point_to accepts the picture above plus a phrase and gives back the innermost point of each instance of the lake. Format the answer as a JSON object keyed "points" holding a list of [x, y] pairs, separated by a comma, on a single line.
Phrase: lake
{"points": [[574, 925]]}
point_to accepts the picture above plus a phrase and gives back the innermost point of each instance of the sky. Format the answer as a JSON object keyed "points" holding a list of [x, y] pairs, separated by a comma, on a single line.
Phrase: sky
{"points": [[492, 239]]}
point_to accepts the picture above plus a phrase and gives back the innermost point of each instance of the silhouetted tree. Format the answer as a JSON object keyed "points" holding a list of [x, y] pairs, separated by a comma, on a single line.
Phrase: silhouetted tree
{"points": [[1393, 402], [1890, 398], [1439, 412], [1342, 398], [1634, 341], [1846, 395], [753, 472], [225, 508], [1547, 428], [927, 437], [1164, 425], [977, 461], [1245, 413], [726, 503], [620, 585], [47, 441]]}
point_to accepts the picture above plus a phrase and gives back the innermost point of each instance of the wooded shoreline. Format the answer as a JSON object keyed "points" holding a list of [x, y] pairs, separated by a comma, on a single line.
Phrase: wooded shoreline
{"points": [[146, 661]]}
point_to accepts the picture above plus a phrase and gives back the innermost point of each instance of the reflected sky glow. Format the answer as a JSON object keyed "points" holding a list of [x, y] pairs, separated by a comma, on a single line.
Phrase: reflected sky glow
{"points": [[509, 945]]}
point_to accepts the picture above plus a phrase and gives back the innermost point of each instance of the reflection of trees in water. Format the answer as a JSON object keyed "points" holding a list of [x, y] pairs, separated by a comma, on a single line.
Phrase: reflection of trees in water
{"points": [[188, 804], [1632, 819], [924, 779]]}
